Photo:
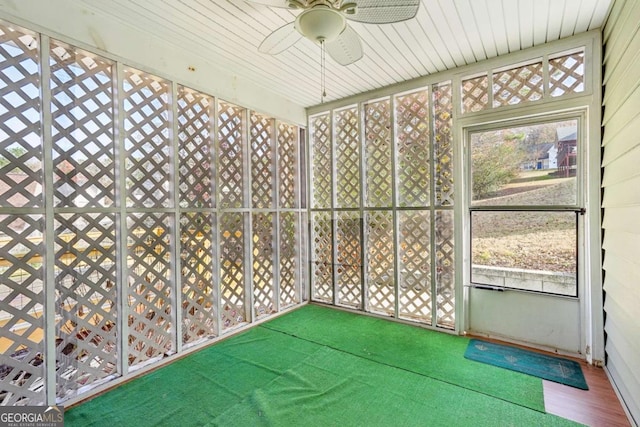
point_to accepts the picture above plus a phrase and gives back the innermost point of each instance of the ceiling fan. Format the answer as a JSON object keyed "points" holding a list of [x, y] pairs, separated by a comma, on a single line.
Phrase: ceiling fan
{"points": [[325, 22]]}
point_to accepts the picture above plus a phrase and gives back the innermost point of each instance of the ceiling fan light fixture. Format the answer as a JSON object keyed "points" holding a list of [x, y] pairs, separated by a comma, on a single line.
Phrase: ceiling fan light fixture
{"points": [[320, 24]]}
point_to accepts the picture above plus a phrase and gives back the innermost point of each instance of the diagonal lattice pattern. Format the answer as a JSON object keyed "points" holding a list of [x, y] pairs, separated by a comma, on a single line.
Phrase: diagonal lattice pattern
{"points": [[380, 267], [517, 85], [288, 165], [347, 143], [262, 145], [566, 74], [377, 152], [20, 127], [231, 155], [443, 143], [414, 253], [349, 261], [89, 280], [321, 257], [263, 266], [445, 272], [232, 258], [82, 128], [195, 124], [147, 143], [289, 259], [321, 169], [149, 294], [85, 291], [197, 264], [413, 149], [475, 94], [21, 310]]}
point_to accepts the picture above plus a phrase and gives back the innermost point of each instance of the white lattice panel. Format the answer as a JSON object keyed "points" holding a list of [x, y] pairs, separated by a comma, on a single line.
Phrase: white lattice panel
{"points": [[321, 257], [21, 310], [380, 267], [86, 295], [147, 143], [197, 264], [82, 128], [262, 145], [263, 271], [231, 155], [321, 169], [288, 165], [347, 143], [20, 128], [349, 262], [289, 258], [414, 295], [566, 74], [232, 258], [149, 295], [413, 149], [86, 225], [517, 85], [443, 143], [377, 152], [445, 269], [196, 188], [475, 94]]}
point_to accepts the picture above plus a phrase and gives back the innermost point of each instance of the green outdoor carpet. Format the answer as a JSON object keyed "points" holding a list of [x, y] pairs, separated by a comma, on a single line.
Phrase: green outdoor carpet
{"points": [[557, 369], [433, 354], [334, 388], [194, 390], [266, 377]]}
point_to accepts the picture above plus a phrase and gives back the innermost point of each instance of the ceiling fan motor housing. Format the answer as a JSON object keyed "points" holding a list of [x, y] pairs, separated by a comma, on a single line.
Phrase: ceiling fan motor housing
{"points": [[320, 23]]}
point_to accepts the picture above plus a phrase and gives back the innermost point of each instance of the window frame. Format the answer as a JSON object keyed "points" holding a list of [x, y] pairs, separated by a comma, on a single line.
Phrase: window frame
{"points": [[580, 115]]}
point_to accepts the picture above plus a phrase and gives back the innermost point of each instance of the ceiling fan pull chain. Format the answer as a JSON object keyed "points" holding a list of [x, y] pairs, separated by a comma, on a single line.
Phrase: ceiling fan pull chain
{"points": [[323, 79]]}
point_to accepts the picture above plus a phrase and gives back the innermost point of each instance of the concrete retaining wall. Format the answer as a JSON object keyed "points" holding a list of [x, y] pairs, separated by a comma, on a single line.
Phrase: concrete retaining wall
{"points": [[532, 280]]}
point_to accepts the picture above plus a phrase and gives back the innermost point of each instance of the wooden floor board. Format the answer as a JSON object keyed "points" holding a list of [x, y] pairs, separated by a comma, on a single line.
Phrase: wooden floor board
{"points": [[598, 406]]}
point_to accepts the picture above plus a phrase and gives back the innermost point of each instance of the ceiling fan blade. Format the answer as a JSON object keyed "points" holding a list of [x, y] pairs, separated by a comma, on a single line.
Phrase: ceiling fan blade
{"points": [[346, 48], [384, 11], [272, 3], [281, 39]]}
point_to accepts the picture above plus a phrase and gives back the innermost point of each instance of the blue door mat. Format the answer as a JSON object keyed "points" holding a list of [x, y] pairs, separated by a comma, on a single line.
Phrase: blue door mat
{"points": [[556, 369]]}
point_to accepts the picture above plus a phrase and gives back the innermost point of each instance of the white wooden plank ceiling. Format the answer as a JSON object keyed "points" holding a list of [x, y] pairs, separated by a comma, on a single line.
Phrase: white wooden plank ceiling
{"points": [[445, 34]]}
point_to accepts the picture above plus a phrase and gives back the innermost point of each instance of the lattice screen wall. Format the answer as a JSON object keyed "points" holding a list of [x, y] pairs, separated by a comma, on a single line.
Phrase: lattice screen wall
{"points": [[138, 218], [382, 206], [382, 187], [551, 76]]}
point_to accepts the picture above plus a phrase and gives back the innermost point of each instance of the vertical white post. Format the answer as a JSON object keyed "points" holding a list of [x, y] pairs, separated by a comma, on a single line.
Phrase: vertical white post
{"points": [[49, 235], [176, 311], [121, 224]]}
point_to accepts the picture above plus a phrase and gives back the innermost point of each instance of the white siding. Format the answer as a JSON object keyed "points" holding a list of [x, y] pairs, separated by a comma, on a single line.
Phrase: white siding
{"points": [[621, 200]]}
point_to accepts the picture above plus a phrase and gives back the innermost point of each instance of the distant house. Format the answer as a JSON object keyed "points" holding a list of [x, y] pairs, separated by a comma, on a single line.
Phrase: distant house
{"points": [[567, 150], [541, 156]]}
